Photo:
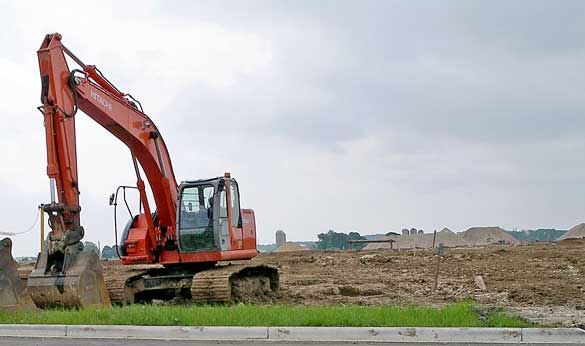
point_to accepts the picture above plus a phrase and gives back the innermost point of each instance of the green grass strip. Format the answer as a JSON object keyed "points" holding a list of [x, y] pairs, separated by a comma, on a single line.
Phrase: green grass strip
{"points": [[455, 315]]}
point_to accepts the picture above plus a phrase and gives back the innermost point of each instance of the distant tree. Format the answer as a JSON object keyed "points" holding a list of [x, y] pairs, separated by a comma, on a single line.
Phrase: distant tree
{"points": [[109, 252], [338, 241], [89, 246], [266, 247], [331, 240], [538, 235], [392, 233], [355, 236]]}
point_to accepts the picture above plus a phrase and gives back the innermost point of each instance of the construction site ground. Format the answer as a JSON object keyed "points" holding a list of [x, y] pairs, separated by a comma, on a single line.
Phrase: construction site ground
{"points": [[543, 282]]}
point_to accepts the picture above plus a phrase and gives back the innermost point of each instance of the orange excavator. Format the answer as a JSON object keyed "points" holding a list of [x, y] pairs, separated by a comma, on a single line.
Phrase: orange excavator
{"points": [[196, 227]]}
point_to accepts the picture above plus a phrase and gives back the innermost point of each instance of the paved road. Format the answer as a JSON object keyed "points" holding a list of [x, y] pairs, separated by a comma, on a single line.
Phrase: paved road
{"points": [[7, 341]]}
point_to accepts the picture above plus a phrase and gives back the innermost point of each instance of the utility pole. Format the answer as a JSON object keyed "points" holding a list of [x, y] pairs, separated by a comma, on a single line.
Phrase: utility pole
{"points": [[439, 255]]}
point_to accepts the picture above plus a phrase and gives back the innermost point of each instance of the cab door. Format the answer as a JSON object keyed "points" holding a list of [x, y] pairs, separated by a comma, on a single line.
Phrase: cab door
{"points": [[235, 215], [194, 217], [222, 223]]}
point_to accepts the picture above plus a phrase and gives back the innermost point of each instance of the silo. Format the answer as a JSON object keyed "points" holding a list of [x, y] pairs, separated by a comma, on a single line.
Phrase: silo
{"points": [[280, 238]]}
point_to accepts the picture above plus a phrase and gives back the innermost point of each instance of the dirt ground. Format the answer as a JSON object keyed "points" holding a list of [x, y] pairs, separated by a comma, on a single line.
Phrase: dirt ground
{"points": [[541, 282]]}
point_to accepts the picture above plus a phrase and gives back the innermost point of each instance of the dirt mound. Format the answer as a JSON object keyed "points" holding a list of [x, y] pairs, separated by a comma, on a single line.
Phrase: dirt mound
{"points": [[253, 290], [576, 232], [572, 242], [480, 236], [450, 239], [421, 241], [291, 246]]}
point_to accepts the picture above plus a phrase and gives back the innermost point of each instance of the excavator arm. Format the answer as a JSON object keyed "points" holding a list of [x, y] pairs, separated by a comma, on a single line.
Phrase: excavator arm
{"points": [[63, 93]]}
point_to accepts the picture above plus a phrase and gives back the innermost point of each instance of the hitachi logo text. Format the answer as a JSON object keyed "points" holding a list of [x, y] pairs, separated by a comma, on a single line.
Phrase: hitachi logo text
{"points": [[100, 100]]}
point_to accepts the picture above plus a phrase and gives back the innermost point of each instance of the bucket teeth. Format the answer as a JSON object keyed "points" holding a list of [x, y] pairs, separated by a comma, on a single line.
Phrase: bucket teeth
{"points": [[13, 291]]}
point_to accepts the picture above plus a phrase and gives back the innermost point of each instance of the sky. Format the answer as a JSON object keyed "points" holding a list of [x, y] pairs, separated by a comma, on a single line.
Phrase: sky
{"points": [[368, 116]]}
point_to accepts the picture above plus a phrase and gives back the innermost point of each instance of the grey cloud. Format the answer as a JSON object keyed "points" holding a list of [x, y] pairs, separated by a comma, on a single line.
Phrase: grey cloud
{"points": [[449, 113], [425, 69]]}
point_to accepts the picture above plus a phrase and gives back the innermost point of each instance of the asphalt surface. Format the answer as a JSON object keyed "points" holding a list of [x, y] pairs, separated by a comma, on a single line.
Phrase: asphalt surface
{"points": [[6, 341]]}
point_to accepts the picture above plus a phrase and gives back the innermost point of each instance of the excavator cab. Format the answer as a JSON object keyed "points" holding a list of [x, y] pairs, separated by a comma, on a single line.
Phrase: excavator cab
{"points": [[205, 214]]}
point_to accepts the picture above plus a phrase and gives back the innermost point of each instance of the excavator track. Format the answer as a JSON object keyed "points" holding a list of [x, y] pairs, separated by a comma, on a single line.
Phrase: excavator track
{"points": [[235, 283], [116, 277], [219, 284]]}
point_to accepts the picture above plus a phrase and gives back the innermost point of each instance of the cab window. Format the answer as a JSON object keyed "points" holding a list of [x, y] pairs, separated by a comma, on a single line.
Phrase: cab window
{"points": [[235, 203], [196, 218]]}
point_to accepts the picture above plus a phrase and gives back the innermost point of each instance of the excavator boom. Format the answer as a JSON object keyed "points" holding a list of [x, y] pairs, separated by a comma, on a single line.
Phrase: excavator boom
{"points": [[65, 274]]}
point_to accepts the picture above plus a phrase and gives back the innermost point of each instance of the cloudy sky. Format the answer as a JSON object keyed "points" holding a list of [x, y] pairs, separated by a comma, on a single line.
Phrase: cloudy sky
{"points": [[345, 115]]}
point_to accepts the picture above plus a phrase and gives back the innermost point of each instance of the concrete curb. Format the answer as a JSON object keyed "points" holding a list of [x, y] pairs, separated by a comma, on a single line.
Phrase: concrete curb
{"points": [[176, 333], [426, 335], [544, 335], [325, 334]]}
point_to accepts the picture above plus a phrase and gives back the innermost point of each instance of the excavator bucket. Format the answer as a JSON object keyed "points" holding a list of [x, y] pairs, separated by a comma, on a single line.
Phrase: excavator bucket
{"points": [[13, 292], [81, 285]]}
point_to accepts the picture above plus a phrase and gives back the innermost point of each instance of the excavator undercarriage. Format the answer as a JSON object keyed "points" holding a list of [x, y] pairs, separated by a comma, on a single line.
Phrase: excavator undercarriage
{"points": [[223, 283]]}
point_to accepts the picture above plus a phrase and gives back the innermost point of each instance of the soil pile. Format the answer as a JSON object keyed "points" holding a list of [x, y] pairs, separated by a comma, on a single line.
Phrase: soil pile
{"points": [[481, 236], [290, 246], [576, 232], [421, 241], [449, 239]]}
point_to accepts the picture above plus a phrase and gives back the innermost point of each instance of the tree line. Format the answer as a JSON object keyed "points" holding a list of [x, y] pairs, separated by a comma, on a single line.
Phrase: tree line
{"points": [[338, 241], [326, 241]]}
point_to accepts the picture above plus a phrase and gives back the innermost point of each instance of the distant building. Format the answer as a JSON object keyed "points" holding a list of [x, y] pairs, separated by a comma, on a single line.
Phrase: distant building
{"points": [[420, 231], [413, 231], [280, 238], [405, 231]]}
